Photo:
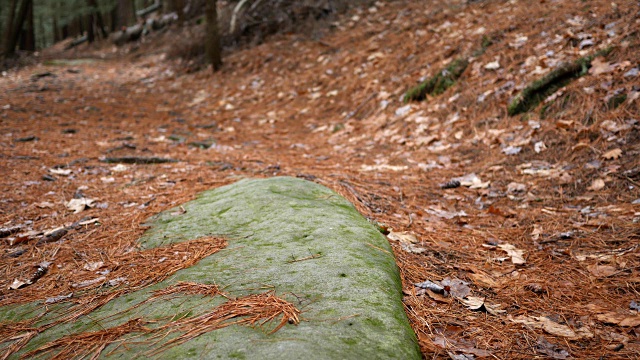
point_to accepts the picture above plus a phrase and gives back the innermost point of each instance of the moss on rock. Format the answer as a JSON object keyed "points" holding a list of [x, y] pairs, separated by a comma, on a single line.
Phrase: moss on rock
{"points": [[296, 238]]}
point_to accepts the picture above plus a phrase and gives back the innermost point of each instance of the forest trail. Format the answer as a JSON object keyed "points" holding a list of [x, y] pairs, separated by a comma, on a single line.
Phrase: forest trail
{"points": [[529, 222]]}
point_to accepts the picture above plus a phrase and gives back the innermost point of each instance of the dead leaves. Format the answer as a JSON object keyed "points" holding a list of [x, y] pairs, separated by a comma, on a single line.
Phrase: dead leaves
{"points": [[602, 271], [612, 154], [552, 327], [408, 242], [466, 347], [551, 350], [40, 270], [472, 181], [596, 185], [515, 254], [619, 318], [474, 303], [453, 288], [79, 205]]}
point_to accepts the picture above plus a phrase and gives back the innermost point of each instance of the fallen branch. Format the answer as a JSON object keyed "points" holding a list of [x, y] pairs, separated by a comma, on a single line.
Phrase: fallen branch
{"points": [[138, 160], [234, 16]]}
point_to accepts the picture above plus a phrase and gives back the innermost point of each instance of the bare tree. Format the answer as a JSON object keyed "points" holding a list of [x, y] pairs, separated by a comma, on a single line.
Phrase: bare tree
{"points": [[213, 47]]}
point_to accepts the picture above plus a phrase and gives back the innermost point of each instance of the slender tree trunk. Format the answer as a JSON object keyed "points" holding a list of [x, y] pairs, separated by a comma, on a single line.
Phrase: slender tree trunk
{"points": [[100, 23], [29, 42], [9, 28], [95, 18], [91, 35], [16, 29], [113, 18], [79, 26], [56, 32], [212, 46]]}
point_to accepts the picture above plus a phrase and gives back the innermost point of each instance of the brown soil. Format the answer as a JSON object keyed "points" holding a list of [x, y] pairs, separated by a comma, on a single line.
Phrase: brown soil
{"points": [[330, 111]]}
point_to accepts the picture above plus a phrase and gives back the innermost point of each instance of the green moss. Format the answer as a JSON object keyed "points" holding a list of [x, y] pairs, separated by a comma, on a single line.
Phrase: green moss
{"points": [[438, 83], [616, 101], [237, 355], [353, 288], [540, 89]]}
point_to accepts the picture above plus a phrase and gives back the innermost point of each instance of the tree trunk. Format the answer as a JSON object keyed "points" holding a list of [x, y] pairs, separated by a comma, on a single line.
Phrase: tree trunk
{"points": [[126, 13], [13, 35], [213, 48], [9, 28], [28, 43], [179, 4], [113, 19], [91, 36], [56, 33], [96, 18]]}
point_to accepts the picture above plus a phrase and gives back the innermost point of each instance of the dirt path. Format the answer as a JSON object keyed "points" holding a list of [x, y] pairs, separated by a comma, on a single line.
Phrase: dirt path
{"points": [[549, 239]]}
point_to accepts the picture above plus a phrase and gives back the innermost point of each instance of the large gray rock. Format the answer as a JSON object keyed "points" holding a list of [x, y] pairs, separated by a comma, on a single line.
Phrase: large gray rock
{"points": [[296, 238]]}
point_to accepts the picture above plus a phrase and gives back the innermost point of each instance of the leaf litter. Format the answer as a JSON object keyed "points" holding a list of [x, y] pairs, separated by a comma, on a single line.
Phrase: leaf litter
{"points": [[588, 128]]}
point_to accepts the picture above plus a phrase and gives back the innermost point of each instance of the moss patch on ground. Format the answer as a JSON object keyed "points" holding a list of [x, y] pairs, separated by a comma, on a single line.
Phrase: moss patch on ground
{"points": [[540, 89], [438, 83]]}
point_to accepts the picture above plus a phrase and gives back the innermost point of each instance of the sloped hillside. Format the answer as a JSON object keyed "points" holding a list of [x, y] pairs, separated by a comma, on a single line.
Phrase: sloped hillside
{"points": [[510, 195]]}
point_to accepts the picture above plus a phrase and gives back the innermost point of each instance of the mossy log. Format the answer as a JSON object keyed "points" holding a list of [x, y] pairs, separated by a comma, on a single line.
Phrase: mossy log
{"points": [[438, 83], [540, 89]]}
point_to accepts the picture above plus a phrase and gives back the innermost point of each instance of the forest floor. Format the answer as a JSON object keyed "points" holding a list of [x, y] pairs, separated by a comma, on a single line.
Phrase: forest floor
{"points": [[536, 244]]}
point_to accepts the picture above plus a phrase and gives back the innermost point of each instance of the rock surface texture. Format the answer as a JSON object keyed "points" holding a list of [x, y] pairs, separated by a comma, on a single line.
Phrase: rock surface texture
{"points": [[290, 238]]}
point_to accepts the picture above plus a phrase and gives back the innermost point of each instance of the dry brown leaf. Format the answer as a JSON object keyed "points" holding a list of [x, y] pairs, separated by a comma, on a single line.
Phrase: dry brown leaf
{"points": [[17, 284], [612, 154], [412, 248], [597, 184], [600, 67], [456, 287], [438, 297], [565, 124], [551, 350], [515, 254], [45, 205], [623, 320], [93, 266], [536, 232], [78, 205], [461, 345], [552, 327], [478, 304], [580, 146], [602, 270], [483, 280], [403, 237], [626, 319]]}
